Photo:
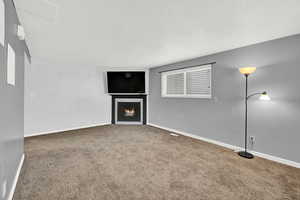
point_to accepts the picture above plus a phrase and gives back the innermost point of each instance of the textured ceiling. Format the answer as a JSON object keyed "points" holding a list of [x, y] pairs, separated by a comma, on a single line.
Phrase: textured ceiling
{"points": [[147, 33]]}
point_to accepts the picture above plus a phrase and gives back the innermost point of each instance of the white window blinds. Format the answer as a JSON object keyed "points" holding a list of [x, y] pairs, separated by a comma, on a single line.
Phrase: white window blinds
{"points": [[194, 82], [175, 83]]}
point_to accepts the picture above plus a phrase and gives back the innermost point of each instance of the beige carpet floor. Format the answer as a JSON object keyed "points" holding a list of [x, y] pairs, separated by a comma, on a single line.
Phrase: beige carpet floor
{"points": [[142, 162]]}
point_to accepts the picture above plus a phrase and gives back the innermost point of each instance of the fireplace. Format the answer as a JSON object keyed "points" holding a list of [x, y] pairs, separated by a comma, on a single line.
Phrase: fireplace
{"points": [[129, 109]]}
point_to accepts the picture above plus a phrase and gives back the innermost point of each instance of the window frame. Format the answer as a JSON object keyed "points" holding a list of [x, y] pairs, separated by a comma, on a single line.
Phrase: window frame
{"points": [[185, 71]]}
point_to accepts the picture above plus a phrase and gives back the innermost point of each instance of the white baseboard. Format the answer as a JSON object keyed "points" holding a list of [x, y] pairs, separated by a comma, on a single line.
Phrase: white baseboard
{"points": [[277, 159], [13, 188], [229, 146], [63, 130]]}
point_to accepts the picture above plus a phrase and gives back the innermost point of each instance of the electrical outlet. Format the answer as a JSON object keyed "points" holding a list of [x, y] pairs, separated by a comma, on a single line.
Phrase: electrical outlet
{"points": [[252, 140]]}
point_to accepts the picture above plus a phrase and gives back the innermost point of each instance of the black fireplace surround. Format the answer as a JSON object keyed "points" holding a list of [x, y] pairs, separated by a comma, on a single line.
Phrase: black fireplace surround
{"points": [[144, 108]]}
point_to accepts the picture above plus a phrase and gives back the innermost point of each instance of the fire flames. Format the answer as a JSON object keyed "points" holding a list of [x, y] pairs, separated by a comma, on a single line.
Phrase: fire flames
{"points": [[129, 112]]}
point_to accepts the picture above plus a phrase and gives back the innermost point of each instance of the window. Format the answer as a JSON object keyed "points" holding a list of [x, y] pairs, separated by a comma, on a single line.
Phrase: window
{"points": [[194, 82], [11, 65]]}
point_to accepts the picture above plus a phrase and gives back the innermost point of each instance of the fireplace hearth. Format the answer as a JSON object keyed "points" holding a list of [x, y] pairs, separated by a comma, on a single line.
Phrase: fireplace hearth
{"points": [[129, 109]]}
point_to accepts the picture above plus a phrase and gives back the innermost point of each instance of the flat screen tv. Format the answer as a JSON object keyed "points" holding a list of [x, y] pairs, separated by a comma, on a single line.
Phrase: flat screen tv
{"points": [[126, 82]]}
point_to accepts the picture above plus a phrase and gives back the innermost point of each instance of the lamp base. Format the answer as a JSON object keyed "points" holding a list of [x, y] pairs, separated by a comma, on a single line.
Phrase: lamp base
{"points": [[246, 154]]}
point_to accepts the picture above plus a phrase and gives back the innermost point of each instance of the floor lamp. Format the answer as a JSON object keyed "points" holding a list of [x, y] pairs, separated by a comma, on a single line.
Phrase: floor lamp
{"points": [[246, 71]]}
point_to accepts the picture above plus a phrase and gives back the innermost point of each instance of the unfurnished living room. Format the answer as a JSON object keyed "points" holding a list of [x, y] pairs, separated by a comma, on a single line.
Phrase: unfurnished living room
{"points": [[149, 100]]}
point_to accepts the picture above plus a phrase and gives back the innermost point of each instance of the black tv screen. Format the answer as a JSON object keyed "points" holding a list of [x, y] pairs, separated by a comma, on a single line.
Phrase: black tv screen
{"points": [[126, 82]]}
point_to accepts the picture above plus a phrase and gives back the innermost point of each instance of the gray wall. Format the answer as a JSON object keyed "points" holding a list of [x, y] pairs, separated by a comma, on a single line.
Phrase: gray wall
{"points": [[64, 96], [11, 105], [274, 124]]}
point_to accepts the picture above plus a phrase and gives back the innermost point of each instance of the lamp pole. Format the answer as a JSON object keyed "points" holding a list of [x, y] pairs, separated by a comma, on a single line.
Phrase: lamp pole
{"points": [[246, 113], [246, 154]]}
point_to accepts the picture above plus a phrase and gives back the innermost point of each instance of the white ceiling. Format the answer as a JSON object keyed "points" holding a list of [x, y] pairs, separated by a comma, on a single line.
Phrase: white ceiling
{"points": [[147, 33]]}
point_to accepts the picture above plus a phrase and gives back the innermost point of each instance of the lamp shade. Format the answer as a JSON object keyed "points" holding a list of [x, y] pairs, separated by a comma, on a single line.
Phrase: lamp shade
{"points": [[264, 97], [247, 70]]}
